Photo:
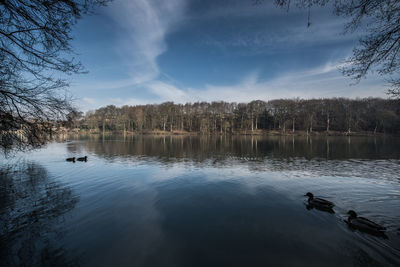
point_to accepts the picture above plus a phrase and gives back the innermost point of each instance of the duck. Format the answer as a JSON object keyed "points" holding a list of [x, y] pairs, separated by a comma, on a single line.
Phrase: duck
{"points": [[71, 159], [319, 203], [82, 158], [363, 224]]}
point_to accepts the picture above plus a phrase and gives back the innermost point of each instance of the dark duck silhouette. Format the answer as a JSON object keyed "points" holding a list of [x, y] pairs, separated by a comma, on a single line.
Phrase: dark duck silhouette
{"points": [[82, 158], [319, 203], [71, 159], [363, 224]]}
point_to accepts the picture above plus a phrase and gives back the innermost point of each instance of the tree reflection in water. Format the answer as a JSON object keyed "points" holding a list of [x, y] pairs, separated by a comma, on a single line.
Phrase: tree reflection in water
{"points": [[259, 153], [32, 209], [203, 147]]}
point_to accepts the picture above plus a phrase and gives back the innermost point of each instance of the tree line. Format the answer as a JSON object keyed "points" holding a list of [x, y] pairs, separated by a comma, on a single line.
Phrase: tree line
{"points": [[283, 115]]}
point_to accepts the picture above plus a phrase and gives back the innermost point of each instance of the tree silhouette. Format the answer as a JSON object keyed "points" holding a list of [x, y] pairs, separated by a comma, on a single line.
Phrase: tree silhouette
{"points": [[35, 57]]}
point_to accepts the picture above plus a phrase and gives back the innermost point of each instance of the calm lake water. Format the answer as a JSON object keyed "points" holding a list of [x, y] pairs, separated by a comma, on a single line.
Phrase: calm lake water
{"points": [[200, 201]]}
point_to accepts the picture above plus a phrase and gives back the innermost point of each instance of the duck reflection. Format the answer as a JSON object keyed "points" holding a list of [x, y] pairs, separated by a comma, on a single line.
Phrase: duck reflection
{"points": [[32, 206], [325, 209]]}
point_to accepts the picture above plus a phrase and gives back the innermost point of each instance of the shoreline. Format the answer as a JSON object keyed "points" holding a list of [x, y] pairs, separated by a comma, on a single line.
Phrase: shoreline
{"points": [[237, 133]]}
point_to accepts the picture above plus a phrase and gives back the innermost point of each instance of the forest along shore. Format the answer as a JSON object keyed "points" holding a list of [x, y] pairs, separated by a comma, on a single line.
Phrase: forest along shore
{"points": [[335, 116], [63, 132]]}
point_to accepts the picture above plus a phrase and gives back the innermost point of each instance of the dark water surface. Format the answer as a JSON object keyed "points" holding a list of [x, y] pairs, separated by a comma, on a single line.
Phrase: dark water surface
{"points": [[200, 201]]}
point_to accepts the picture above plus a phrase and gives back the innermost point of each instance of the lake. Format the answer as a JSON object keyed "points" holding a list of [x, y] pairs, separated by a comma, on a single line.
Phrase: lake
{"points": [[200, 201]]}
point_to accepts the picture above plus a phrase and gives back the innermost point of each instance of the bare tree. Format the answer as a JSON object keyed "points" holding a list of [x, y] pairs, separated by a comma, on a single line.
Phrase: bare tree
{"points": [[35, 57], [329, 115], [378, 49]]}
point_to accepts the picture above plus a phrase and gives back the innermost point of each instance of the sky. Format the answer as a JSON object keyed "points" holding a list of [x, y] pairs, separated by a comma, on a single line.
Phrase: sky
{"points": [[153, 51]]}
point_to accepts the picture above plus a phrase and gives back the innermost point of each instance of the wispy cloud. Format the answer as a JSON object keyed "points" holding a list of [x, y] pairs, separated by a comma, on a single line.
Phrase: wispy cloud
{"points": [[168, 92], [323, 81], [320, 82], [144, 25], [281, 38], [276, 29], [88, 100]]}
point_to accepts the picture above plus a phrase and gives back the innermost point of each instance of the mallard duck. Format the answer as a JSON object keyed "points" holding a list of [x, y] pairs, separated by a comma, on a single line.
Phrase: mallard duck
{"points": [[364, 224], [319, 203], [71, 159], [82, 158]]}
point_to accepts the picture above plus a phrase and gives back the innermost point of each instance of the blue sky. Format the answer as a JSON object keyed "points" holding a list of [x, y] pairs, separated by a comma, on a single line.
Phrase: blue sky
{"points": [[152, 51]]}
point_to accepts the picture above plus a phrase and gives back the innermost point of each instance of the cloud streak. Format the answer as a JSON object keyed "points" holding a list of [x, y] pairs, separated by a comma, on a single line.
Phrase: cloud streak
{"points": [[144, 25], [323, 81]]}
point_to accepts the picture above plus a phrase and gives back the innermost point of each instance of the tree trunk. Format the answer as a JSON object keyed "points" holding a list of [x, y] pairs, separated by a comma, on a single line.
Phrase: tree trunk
{"points": [[327, 123], [293, 120]]}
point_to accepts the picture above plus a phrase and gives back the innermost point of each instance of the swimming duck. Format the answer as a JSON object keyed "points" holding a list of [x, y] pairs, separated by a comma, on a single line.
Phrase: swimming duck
{"points": [[364, 224], [82, 158], [319, 203], [71, 159]]}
